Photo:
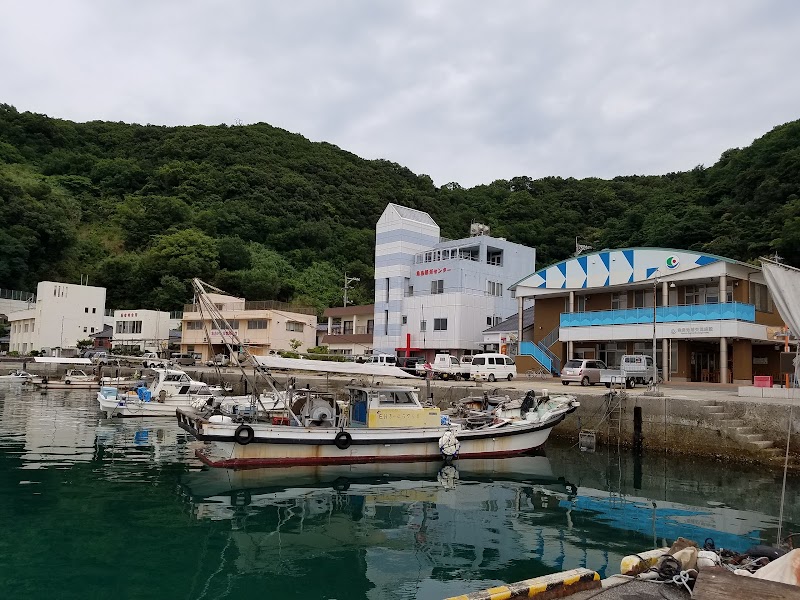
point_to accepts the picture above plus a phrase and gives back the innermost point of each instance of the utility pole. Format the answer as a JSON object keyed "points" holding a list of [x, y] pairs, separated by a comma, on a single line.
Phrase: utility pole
{"points": [[347, 282]]}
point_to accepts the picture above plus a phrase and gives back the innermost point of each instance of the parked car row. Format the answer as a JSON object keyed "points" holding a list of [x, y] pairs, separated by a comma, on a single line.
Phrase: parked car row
{"points": [[489, 366], [634, 368]]}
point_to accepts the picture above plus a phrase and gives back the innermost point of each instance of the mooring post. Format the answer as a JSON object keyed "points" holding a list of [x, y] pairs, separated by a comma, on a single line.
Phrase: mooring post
{"points": [[637, 429]]}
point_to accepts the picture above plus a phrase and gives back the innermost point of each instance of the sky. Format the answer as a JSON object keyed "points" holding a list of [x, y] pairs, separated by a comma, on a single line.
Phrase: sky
{"points": [[464, 91]]}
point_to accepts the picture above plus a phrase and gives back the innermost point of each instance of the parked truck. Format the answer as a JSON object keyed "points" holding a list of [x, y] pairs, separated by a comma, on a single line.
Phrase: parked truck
{"points": [[633, 369], [445, 366]]}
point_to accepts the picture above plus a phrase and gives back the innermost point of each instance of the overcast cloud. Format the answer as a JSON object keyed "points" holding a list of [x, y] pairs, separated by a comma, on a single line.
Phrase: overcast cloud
{"points": [[461, 90]]}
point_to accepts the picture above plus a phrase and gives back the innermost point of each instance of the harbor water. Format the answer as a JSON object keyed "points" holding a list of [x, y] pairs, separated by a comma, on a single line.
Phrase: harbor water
{"points": [[98, 508]]}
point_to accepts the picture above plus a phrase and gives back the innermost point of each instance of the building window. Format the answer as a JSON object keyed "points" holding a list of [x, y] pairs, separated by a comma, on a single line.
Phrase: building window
{"points": [[428, 257], [370, 326], [673, 358], [86, 310], [234, 324], [84, 330], [348, 328], [437, 286], [33, 326], [695, 294], [580, 303], [760, 298], [494, 288], [489, 321], [619, 301], [405, 319], [513, 294], [257, 324], [294, 326], [130, 326], [386, 322], [387, 289], [94, 310], [25, 328], [423, 326], [639, 298], [92, 329], [494, 257], [440, 324], [193, 325], [712, 294]]}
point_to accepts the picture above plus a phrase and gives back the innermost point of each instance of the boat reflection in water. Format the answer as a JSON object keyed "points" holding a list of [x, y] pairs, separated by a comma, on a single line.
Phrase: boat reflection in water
{"points": [[403, 520], [420, 527]]}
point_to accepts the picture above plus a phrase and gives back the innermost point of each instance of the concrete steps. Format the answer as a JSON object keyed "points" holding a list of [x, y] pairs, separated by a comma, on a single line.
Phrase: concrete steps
{"points": [[738, 430]]}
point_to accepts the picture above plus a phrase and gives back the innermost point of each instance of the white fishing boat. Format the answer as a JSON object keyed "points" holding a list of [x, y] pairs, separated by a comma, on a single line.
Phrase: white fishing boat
{"points": [[74, 379], [17, 375], [168, 390], [373, 423]]}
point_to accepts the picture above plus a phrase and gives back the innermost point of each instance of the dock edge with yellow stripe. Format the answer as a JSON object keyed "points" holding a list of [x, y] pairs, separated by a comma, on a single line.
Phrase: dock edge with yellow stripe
{"points": [[556, 585]]}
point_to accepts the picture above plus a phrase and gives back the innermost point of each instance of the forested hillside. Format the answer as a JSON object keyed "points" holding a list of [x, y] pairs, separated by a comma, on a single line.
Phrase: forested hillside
{"points": [[268, 214]]}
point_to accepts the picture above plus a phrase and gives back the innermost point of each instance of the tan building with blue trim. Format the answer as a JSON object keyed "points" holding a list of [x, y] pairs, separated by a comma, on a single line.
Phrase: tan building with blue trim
{"points": [[713, 317]]}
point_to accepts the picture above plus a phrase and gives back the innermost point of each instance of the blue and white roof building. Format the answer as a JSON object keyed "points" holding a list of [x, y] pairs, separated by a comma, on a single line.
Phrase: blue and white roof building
{"points": [[709, 309], [434, 294]]}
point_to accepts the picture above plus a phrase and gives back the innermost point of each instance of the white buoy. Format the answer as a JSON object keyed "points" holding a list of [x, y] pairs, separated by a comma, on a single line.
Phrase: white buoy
{"points": [[449, 445]]}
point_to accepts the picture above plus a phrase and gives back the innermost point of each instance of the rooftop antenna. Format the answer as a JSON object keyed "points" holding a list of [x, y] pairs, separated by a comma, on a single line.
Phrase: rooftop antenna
{"points": [[777, 257], [347, 282], [580, 248]]}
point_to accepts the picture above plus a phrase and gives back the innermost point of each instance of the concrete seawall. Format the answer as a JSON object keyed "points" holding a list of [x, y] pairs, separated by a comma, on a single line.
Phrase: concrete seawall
{"points": [[695, 421]]}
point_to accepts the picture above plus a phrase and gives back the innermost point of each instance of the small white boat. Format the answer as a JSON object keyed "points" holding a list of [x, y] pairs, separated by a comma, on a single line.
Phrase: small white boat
{"points": [[73, 379], [168, 390], [17, 375]]}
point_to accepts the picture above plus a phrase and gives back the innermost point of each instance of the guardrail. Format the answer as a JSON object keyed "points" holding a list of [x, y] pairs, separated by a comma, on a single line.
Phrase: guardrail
{"points": [[721, 311]]}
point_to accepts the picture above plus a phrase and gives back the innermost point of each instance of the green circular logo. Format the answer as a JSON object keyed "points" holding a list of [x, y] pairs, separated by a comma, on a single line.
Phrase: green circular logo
{"points": [[672, 261]]}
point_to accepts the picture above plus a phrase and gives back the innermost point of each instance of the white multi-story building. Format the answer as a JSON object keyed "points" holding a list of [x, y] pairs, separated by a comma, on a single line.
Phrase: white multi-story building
{"points": [[143, 329], [435, 295], [63, 314]]}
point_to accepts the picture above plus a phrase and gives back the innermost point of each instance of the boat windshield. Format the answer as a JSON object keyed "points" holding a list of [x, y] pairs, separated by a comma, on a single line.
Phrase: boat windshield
{"points": [[395, 397]]}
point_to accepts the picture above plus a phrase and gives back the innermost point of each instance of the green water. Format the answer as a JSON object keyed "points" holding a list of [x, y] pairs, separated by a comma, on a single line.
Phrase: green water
{"points": [[94, 508]]}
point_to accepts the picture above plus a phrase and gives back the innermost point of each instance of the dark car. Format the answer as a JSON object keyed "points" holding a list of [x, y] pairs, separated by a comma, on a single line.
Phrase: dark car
{"points": [[409, 363]]}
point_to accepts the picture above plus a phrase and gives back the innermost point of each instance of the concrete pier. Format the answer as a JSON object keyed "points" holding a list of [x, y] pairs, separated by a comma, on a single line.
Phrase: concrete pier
{"points": [[702, 419]]}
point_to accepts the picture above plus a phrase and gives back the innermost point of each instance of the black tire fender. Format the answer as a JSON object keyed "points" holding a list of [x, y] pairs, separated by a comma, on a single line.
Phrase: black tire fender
{"points": [[244, 435], [343, 440]]}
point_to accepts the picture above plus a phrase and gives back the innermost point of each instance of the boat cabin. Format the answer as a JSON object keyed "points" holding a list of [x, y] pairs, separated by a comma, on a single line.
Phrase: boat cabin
{"points": [[390, 407], [175, 382]]}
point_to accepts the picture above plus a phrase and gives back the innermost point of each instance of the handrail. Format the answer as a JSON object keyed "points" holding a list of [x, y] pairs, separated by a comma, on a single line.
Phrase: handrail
{"points": [[531, 349], [718, 311]]}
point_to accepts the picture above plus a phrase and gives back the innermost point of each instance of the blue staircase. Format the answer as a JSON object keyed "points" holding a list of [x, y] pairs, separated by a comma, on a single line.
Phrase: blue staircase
{"points": [[539, 355]]}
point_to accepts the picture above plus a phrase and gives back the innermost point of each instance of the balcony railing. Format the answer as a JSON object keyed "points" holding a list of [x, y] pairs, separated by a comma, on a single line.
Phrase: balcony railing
{"points": [[722, 311], [256, 305], [358, 330], [17, 295]]}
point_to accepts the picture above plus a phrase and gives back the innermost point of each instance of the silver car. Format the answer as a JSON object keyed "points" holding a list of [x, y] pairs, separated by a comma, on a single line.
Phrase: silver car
{"points": [[585, 371]]}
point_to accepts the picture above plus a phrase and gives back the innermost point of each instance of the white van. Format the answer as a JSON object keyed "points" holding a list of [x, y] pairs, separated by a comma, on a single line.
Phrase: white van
{"points": [[383, 359], [492, 367]]}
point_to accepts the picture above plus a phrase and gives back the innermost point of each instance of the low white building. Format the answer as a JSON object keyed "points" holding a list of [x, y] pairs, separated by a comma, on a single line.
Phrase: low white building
{"points": [[145, 330], [63, 314]]}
